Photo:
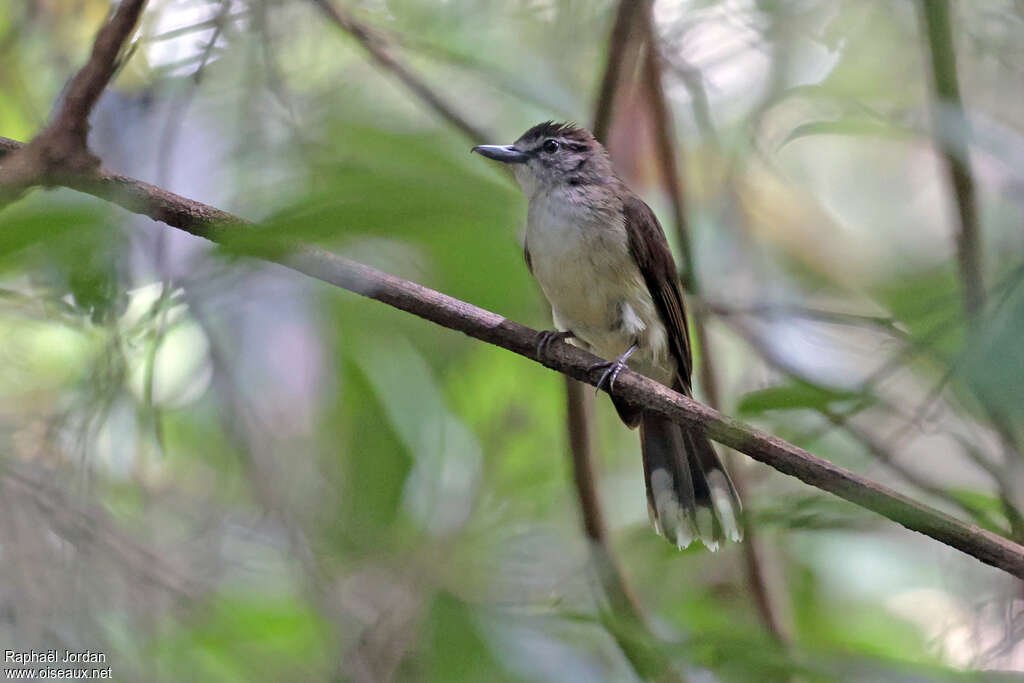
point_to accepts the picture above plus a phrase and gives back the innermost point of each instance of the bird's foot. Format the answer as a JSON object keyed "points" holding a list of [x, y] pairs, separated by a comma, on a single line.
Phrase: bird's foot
{"points": [[612, 368], [547, 337]]}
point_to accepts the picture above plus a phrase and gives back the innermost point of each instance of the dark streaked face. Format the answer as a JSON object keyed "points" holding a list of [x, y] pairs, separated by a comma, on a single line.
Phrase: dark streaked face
{"points": [[550, 155]]}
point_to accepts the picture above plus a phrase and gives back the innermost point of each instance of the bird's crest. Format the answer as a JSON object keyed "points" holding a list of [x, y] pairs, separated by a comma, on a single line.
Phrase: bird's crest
{"points": [[553, 129]]}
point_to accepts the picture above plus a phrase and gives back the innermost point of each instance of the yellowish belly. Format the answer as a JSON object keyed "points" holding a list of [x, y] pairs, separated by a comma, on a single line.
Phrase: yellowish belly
{"points": [[597, 292]]}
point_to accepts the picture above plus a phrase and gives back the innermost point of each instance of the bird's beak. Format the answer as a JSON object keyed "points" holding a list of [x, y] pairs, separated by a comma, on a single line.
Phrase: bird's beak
{"points": [[504, 153]]}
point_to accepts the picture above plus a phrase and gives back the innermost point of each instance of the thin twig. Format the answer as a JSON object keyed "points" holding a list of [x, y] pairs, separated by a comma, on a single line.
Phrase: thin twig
{"points": [[238, 234], [215, 22], [377, 46], [950, 134], [783, 310]]}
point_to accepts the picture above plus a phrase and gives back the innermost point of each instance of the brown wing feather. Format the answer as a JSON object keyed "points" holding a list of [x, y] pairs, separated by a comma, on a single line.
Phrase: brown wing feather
{"points": [[651, 251]]}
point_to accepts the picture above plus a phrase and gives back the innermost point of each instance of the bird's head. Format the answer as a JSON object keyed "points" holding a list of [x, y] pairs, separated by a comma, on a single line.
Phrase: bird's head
{"points": [[552, 155]]}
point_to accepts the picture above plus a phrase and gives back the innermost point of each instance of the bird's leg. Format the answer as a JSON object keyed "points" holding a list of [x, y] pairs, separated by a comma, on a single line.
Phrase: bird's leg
{"points": [[612, 368], [545, 339]]}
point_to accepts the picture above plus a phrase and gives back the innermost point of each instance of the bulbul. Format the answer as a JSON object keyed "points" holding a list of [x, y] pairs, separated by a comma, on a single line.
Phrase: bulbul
{"points": [[603, 263]]}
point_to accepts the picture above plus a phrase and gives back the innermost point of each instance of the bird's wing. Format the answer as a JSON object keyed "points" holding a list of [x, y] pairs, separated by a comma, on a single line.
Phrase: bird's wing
{"points": [[652, 254]]}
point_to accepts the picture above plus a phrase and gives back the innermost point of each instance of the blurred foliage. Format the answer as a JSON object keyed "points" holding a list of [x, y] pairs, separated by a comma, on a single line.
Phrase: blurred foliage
{"points": [[214, 469]]}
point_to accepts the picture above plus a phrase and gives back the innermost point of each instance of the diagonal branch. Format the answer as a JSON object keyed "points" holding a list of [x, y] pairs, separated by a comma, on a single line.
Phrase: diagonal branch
{"points": [[381, 52], [219, 226]]}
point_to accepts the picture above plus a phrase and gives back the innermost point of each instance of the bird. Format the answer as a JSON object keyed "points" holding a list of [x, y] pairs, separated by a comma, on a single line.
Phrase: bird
{"points": [[605, 267]]}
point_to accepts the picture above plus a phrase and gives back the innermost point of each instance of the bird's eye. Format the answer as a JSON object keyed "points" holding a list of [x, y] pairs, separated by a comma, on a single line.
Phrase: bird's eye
{"points": [[550, 146]]}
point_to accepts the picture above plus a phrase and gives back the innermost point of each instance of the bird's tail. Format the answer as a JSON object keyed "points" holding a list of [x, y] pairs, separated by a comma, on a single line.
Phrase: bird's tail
{"points": [[689, 493]]}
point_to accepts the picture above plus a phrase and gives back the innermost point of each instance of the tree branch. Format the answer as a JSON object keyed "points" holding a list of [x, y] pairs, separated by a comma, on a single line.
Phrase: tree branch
{"points": [[219, 226], [380, 51], [770, 310], [618, 42], [61, 148]]}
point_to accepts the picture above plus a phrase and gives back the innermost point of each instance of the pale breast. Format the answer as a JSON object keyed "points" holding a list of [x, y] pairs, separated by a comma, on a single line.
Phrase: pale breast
{"points": [[580, 257]]}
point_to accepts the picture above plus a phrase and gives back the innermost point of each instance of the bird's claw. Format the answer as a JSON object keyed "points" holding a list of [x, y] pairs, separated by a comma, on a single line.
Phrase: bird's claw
{"points": [[612, 368], [547, 337]]}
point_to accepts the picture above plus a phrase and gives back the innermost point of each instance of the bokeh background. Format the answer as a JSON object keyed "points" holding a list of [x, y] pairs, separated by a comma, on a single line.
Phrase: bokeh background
{"points": [[216, 469]]}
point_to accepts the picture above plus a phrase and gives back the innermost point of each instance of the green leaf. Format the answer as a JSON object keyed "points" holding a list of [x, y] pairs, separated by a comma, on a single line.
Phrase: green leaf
{"points": [[374, 462], [813, 512], [32, 221], [453, 647], [848, 127], [79, 251], [986, 510], [993, 364], [447, 458], [795, 396], [417, 206], [245, 638], [927, 303]]}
